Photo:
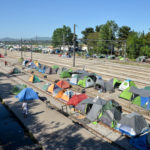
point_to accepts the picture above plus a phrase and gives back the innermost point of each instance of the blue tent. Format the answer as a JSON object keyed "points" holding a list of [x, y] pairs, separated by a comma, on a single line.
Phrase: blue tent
{"points": [[140, 142], [27, 94]]}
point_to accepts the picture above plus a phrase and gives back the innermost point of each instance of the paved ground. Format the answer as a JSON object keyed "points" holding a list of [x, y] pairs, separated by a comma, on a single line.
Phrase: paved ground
{"points": [[52, 129]]}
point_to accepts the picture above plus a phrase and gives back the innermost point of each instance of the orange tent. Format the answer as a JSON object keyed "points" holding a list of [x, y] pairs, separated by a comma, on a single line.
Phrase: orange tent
{"points": [[63, 84], [51, 88]]}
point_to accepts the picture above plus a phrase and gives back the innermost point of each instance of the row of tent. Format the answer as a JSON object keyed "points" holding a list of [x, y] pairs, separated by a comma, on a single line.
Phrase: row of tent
{"points": [[86, 79], [97, 109]]}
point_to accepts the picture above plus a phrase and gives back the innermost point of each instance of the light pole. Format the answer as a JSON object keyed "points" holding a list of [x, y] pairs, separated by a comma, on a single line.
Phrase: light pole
{"points": [[74, 46], [21, 48], [5, 54], [31, 50]]}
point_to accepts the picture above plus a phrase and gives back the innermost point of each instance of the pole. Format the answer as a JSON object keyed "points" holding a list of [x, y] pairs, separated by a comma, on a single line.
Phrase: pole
{"points": [[63, 41], [21, 47], [125, 46], [5, 50], [31, 50], [74, 46]]}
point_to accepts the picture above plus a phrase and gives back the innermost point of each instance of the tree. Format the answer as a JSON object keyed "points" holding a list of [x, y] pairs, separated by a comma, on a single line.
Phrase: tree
{"points": [[92, 42], [62, 36], [86, 33], [107, 33], [133, 45], [97, 28], [123, 32]]}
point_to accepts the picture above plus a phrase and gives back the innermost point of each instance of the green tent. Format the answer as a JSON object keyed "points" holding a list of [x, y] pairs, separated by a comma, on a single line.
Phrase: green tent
{"points": [[66, 73], [36, 79], [126, 94], [147, 88], [137, 101], [15, 71], [55, 67], [18, 88], [45, 87], [116, 82], [82, 83]]}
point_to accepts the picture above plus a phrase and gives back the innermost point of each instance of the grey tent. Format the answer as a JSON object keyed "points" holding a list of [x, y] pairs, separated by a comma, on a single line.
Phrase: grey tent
{"points": [[54, 70], [48, 70], [139, 92], [104, 85], [92, 106], [132, 124], [111, 113], [61, 70]]}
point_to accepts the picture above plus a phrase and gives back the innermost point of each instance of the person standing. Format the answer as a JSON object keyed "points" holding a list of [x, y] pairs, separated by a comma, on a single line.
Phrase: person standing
{"points": [[25, 109]]}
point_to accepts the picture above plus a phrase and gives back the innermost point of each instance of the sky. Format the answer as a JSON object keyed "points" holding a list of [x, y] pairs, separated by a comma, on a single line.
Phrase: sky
{"points": [[30, 18]]}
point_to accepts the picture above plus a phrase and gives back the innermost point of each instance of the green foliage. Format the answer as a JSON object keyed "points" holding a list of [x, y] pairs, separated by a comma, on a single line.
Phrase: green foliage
{"points": [[86, 33], [62, 36], [107, 32]]}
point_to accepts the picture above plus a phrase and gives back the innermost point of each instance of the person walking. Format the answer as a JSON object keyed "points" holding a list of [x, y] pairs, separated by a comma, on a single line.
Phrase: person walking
{"points": [[25, 109]]}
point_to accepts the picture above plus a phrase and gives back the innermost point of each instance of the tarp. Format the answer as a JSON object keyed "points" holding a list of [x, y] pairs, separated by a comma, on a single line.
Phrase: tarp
{"points": [[140, 142], [76, 99], [140, 92], [27, 94], [63, 84]]}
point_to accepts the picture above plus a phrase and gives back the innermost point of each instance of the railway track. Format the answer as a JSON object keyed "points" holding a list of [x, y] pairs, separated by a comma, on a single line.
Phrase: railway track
{"points": [[73, 118], [128, 107], [141, 78]]}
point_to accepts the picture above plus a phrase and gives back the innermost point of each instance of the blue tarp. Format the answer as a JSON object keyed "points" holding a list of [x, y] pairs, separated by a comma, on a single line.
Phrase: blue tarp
{"points": [[140, 142], [27, 94]]}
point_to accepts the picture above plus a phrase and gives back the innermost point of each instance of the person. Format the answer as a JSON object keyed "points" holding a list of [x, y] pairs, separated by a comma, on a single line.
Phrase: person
{"points": [[25, 109], [5, 63]]}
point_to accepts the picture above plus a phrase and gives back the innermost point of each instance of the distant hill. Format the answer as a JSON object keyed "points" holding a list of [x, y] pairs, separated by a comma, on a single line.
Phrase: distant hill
{"points": [[27, 39]]}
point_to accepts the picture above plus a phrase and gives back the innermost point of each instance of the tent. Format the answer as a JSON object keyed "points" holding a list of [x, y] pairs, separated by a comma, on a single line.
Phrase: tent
{"points": [[48, 70], [36, 63], [107, 85], [61, 70], [66, 73], [147, 87], [141, 97], [86, 82], [132, 124], [125, 84], [92, 107], [141, 59], [42, 70], [45, 86], [67, 95], [63, 84], [55, 67], [126, 94], [1, 56], [111, 113], [24, 62], [15, 71], [76, 99], [141, 142], [27, 94], [17, 88], [34, 79]]}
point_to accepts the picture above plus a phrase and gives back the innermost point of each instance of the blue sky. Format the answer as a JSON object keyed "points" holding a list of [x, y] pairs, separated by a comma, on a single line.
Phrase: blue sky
{"points": [[28, 18]]}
